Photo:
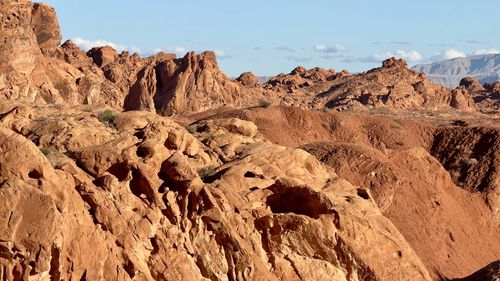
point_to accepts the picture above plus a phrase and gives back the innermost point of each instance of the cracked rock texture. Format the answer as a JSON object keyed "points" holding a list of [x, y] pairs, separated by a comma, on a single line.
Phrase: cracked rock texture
{"points": [[144, 199]]}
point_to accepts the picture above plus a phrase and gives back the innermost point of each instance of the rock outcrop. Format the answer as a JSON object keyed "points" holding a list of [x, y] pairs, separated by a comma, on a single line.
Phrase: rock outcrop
{"points": [[431, 180], [22, 64], [96, 184], [193, 83], [486, 97], [144, 199], [391, 86], [46, 28], [35, 68]]}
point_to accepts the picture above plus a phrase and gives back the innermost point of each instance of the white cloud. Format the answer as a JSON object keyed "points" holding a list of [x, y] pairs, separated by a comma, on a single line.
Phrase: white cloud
{"points": [[89, 44], [487, 51], [298, 59], [452, 53], [410, 56], [177, 49], [322, 48], [220, 54], [447, 55]]}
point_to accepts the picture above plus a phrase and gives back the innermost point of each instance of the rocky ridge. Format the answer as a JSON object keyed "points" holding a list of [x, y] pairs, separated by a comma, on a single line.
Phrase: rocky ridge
{"points": [[444, 177], [97, 185], [159, 203], [35, 68]]}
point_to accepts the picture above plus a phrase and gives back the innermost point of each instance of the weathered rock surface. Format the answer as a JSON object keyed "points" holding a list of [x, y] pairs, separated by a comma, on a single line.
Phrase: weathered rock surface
{"points": [[46, 28], [89, 193], [392, 85], [147, 200], [193, 83], [248, 79], [488, 273], [35, 68], [487, 96], [437, 182]]}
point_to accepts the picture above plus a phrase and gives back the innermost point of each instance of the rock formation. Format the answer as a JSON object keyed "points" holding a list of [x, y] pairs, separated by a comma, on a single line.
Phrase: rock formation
{"points": [[193, 83], [144, 199], [96, 183], [438, 182], [392, 85], [34, 68], [486, 97]]}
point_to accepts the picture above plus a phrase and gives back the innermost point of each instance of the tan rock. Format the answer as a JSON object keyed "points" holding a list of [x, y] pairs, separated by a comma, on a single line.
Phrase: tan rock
{"points": [[46, 28], [138, 206]]}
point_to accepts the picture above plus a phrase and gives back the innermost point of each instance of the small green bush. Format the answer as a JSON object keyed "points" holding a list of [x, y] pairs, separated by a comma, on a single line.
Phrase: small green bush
{"points": [[107, 116], [264, 103], [46, 150], [192, 129], [206, 172], [471, 161]]}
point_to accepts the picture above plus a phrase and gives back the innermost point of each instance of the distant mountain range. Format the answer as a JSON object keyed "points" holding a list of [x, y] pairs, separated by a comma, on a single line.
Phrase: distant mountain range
{"points": [[485, 68]]}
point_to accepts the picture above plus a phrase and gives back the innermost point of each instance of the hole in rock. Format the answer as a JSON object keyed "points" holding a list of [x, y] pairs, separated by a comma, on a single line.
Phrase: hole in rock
{"points": [[250, 174], [33, 266], [54, 263], [166, 182], [139, 185], [140, 134], [195, 205], [298, 200], [213, 177], [142, 152], [119, 170], [35, 174], [130, 269], [84, 276], [99, 182], [156, 247], [363, 193]]}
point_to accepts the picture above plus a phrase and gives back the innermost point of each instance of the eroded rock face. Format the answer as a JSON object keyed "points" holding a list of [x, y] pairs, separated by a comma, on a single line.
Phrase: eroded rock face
{"points": [[395, 86], [486, 97], [148, 200], [22, 73], [248, 79], [33, 67], [195, 83], [431, 180], [46, 28]]}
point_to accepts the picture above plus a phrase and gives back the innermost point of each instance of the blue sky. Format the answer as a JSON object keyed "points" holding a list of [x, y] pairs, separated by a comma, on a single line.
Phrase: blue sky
{"points": [[272, 36]]}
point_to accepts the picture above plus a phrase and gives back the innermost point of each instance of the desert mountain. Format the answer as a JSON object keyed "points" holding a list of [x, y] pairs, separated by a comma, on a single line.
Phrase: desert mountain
{"points": [[485, 68], [35, 68], [118, 167]]}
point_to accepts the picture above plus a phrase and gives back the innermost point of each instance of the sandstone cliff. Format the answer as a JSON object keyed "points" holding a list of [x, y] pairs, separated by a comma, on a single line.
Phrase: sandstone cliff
{"points": [[144, 199], [96, 184], [35, 68]]}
